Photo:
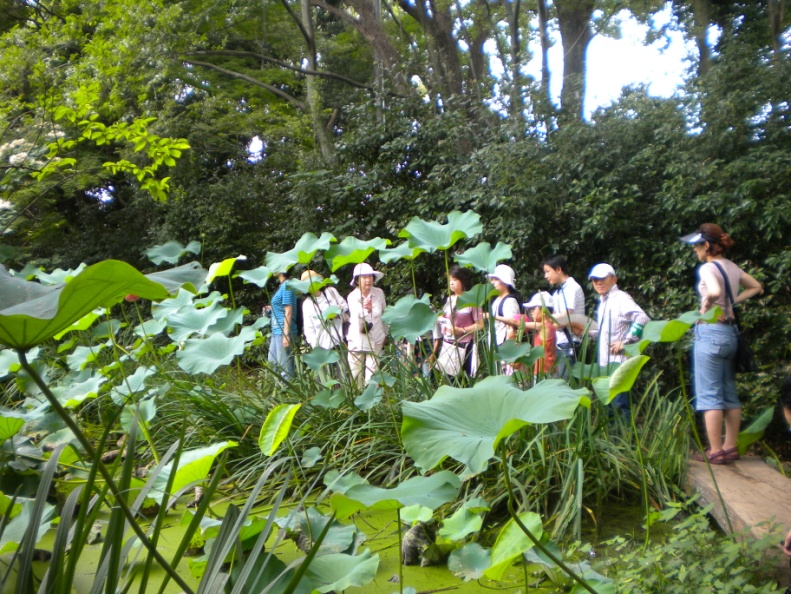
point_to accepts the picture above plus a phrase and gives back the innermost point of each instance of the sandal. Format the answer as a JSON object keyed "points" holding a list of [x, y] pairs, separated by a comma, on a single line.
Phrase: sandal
{"points": [[715, 458], [731, 454]]}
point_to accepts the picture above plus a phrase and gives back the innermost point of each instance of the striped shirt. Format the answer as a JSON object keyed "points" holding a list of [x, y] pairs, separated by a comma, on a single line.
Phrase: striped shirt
{"points": [[616, 313]]}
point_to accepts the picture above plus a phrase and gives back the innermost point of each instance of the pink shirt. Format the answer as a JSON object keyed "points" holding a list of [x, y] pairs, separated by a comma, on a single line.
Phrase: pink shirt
{"points": [[734, 274]]}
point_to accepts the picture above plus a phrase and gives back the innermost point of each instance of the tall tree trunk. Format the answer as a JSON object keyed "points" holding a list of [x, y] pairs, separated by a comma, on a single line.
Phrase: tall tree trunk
{"points": [[543, 31], [776, 18], [320, 131], [701, 13], [517, 103], [574, 18]]}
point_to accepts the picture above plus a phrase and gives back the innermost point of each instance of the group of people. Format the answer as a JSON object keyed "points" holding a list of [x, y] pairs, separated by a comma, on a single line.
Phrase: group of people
{"points": [[557, 321]]}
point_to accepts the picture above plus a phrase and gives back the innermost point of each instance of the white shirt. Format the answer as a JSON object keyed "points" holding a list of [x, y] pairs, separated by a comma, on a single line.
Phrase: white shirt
{"points": [[318, 331], [568, 298]]}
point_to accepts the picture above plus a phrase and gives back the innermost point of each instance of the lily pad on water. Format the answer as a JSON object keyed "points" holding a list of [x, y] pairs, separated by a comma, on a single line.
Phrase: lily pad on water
{"points": [[470, 561], [467, 424], [428, 491], [338, 572]]}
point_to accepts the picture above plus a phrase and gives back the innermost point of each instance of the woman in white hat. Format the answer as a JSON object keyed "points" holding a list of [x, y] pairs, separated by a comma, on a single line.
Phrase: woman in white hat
{"points": [[319, 331], [505, 310], [367, 333]]}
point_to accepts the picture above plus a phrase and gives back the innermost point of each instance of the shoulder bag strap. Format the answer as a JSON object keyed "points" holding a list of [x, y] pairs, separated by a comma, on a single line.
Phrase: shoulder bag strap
{"points": [[730, 293]]}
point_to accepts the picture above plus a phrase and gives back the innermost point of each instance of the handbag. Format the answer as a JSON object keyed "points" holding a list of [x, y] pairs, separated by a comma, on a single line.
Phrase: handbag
{"points": [[451, 358], [744, 360]]}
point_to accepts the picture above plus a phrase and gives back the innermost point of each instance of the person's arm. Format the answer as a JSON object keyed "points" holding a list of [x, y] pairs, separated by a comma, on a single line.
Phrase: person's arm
{"points": [[787, 544], [638, 318], [288, 311], [751, 287]]}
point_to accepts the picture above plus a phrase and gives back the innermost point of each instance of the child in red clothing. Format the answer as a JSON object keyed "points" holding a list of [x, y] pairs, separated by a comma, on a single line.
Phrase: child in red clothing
{"points": [[539, 308]]}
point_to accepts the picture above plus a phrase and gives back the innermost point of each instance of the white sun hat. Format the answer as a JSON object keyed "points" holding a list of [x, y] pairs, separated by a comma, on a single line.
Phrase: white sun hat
{"points": [[540, 299], [505, 273], [600, 271], [365, 269]]}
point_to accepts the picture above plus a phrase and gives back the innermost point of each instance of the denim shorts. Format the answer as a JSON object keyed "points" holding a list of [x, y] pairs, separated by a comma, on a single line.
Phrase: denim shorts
{"points": [[715, 379]]}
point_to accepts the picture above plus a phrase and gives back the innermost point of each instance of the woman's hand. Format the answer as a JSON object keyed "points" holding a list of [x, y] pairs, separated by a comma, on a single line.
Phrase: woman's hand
{"points": [[286, 341]]}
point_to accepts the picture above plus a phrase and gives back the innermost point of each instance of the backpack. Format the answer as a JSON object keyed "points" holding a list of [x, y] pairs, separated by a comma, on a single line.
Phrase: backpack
{"points": [[502, 302]]}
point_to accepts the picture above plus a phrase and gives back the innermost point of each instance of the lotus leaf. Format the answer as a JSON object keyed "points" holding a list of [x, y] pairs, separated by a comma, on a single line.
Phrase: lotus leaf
{"points": [[82, 324], [512, 543], [755, 430], [478, 296], [171, 251], [522, 352], [194, 466], [432, 236], [467, 424], [58, 275], [624, 377], [301, 253], [189, 276], [370, 397], [340, 483], [482, 257], [311, 285], [462, 523], [258, 276], [319, 357], [429, 491], [328, 399], [165, 308], [209, 354], [403, 251], [84, 355], [80, 388], [338, 572], [339, 538], [310, 457], [131, 385], [410, 317], [276, 427], [14, 531], [470, 561], [352, 251], [33, 313], [190, 320], [9, 426], [670, 330], [412, 514], [223, 268]]}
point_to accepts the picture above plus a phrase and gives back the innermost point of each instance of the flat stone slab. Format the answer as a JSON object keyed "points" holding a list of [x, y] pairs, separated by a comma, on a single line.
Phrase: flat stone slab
{"points": [[753, 493]]}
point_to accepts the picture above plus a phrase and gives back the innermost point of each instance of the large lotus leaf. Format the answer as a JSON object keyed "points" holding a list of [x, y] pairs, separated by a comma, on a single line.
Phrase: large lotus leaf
{"points": [[276, 427], [432, 236], [311, 285], [328, 399], [400, 252], [190, 276], [208, 355], [755, 430], [171, 251], [223, 268], [131, 385], [428, 491], [14, 531], [150, 328], [522, 352], [340, 483], [339, 538], [470, 561], [512, 543], [670, 330], [58, 275], [621, 380], [410, 317], [258, 276], [352, 251], [338, 572], [194, 466], [482, 257], [463, 522], [370, 397], [478, 296], [227, 324], [143, 412], [319, 357], [301, 253], [467, 424], [9, 361], [165, 308], [190, 320], [412, 514], [80, 388], [32, 313], [84, 355], [82, 324], [9, 426]]}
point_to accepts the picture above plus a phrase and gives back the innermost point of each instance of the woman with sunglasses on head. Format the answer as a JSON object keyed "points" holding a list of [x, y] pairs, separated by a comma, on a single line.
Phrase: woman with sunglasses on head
{"points": [[715, 344]]}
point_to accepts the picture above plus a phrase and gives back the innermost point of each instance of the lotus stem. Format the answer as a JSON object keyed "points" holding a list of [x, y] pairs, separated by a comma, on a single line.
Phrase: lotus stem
{"points": [[88, 447]]}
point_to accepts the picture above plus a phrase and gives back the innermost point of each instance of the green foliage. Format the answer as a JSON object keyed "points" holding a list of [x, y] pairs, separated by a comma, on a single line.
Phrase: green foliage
{"points": [[693, 559]]}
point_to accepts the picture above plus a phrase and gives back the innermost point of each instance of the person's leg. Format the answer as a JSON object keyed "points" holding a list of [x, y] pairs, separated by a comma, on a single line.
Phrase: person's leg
{"points": [[733, 421], [275, 356], [713, 420], [356, 359], [621, 404], [372, 363], [287, 361]]}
